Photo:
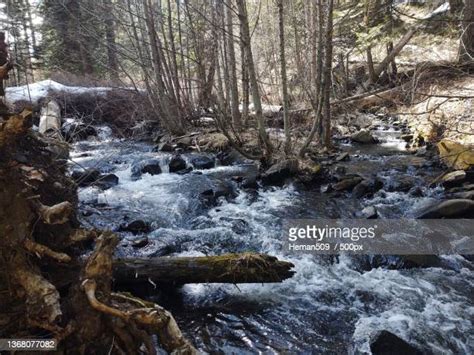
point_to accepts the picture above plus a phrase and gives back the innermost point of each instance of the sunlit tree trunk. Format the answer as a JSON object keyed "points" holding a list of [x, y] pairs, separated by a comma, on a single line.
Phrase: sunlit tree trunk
{"points": [[234, 92], [253, 80]]}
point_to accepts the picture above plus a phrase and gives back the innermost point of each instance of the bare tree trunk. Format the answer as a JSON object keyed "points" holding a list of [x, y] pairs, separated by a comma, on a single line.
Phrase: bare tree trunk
{"points": [[370, 66], [326, 132], [396, 49], [267, 147], [245, 78], [315, 94], [173, 54], [110, 38], [284, 85], [234, 92]]}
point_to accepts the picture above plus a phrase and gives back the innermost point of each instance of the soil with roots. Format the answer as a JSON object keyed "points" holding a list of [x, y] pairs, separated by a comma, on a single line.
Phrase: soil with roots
{"points": [[48, 287]]}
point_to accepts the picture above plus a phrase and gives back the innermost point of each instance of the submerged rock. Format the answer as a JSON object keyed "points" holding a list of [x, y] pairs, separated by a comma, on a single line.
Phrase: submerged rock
{"points": [[347, 184], [202, 162], [343, 156], [364, 137], [279, 172], [457, 208], [105, 182], [135, 227], [140, 242], [150, 166], [77, 131], [176, 164], [367, 187], [231, 157], [386, 343], [164, 147]]}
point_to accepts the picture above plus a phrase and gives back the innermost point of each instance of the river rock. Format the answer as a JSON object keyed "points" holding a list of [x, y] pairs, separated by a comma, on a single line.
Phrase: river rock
{"points": [[347, 184], [231, 157], [407, 137], [176, 163], [454, 178], [386, 343], [421, 152], [220, 189], [369, 212], [403, 184], [364, 137], [457, 208], [456, 155], [342, 157], [140, 242], [77, 131], [416, 191], [279, 172], [164, 147], [367, 187], [202, 162], [467, 195], [105, 182], [184, 142], [135, 227], [185, 171], [150, 166]]}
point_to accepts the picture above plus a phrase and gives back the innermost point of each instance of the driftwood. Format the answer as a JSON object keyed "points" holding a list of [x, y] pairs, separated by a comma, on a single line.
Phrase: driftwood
{"points": [[228, 268]]}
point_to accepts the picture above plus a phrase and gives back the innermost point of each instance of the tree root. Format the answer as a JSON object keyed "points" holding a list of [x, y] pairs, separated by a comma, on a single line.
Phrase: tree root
{"points": [[141, 320], [57, 214], [42, 250]]}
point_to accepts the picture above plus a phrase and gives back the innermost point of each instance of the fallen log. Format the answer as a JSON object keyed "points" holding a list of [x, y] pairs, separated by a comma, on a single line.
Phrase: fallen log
{"points": [[50, 118], [227, 268]]}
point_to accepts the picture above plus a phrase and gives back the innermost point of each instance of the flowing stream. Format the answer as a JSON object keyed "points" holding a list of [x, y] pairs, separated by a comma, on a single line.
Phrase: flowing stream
{"points": [[329, 306]]}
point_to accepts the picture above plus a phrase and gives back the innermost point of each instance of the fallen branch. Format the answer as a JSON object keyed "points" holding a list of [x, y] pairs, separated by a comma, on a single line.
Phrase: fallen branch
{"points": [[228, 268]]}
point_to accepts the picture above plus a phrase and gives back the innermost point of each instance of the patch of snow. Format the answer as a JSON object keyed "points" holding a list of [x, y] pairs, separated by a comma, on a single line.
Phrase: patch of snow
{"points": [[36, 91]]}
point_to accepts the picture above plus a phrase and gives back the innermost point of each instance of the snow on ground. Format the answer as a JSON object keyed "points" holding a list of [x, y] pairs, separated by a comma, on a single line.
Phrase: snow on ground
{"points": [[34, 92]]}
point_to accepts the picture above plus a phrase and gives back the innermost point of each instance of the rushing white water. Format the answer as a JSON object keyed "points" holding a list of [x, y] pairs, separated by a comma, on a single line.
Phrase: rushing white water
{"points": [[329, 306]]}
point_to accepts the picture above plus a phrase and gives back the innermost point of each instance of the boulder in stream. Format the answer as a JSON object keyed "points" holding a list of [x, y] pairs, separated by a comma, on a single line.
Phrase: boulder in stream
{"points": [[140, 242], [454, 178], [164, 147], [364, 137], [456, 208], [136, 227], [105, 182], [176, 164], [279, 172], [347, 184], [367, 187], [149, 166], [202, 162], [386, 343], [369, 212], [231, 157], [77, 131]]}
